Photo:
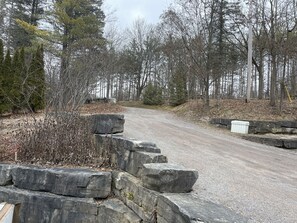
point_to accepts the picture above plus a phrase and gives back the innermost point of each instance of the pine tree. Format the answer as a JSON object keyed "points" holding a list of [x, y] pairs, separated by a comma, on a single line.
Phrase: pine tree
{"points": [[2, 104], [1, 52], [1, 60], [40, 76], [28, 11], [153, 95], [178, 88], [80, 24], [23, 76], [16, 91], [36, 81], [6, 84]]}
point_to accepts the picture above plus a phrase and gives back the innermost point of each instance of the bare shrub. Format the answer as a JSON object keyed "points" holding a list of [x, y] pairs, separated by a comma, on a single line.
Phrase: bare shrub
{"points": [[60, 139]]}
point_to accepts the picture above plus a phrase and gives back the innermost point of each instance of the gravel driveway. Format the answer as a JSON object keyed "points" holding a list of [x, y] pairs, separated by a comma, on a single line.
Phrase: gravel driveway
{"points": [[257, 181]]}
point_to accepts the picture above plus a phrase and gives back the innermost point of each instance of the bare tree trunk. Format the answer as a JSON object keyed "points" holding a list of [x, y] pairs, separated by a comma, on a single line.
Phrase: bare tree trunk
{"points": [[268, 76], [120, 92], [293, 79], [206, 93], [108, 86], [232, 85], [261, 77], [273, 86]]}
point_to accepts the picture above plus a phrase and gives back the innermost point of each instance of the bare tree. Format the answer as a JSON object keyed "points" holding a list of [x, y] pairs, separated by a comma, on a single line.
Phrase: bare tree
{"points": [[141, 50]]}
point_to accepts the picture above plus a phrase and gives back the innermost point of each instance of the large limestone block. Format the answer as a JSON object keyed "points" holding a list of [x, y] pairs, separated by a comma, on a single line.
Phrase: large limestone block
{"points": [[288, 124], [106, 123], [82, 183], [140, 199], [5, 174], [134, 145], [36, 207], [115, 211], [171, 178], [128, 154], [185, 208], [290, 144], [138, 159]]}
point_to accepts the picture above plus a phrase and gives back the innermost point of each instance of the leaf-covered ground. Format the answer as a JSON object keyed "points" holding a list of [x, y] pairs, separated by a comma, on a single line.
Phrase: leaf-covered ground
{"points": [[10, 123], [238, 109]]}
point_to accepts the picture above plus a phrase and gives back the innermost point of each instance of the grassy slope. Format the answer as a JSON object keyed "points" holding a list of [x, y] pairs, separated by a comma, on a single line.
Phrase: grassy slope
{"points": [[233, 109]]}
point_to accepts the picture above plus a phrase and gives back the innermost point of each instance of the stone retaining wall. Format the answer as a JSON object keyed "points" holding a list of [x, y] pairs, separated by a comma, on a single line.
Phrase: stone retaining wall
{"points": [[261, 127], [145, 188]]}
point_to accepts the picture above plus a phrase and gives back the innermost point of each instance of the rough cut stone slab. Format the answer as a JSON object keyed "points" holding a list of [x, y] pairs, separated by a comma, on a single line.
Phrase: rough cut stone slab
{"points": [[146, 147], [140, 199], [69, 182], [185, 208], [134, 145], [137, 159], [165, 177], [128, 154], [264, 140], [5, 174], [288, 124], [221, 122], [114, 210], [262, 127], [271, 141], [106, 123], [39, 207], [290, 144]]}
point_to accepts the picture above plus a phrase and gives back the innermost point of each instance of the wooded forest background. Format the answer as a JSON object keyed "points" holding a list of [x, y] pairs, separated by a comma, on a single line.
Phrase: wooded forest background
{"points": [[197, 51]]}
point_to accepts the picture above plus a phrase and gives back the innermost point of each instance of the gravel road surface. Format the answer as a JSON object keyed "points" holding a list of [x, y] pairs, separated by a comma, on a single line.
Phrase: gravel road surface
{"points": [[257, 181]]}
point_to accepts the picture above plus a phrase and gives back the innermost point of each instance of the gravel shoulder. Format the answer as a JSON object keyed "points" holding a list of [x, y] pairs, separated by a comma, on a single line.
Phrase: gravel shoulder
{"points": [[257, 181]]}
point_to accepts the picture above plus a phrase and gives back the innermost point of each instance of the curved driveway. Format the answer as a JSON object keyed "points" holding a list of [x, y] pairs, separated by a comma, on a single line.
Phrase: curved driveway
{"points": [[257, 181]]}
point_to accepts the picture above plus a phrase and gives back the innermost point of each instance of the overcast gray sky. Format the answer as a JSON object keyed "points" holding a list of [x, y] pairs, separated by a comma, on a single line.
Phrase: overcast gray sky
{"points": [[127, 11]]}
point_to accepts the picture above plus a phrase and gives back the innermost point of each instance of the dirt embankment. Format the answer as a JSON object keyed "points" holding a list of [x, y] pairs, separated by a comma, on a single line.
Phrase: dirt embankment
{"points": [[238, 109]]}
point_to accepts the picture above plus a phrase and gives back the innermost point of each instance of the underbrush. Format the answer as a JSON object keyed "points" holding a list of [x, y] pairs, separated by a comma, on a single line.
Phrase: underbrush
{"points": [[64, 139]]}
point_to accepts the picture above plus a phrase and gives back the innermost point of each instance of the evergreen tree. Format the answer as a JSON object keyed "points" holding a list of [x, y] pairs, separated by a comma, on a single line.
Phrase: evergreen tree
{"points": [[16, 91], [6, 84], [2, 102], [80, 24], [1, 60], [1, 52], [28, 11], [36, 81], [178, 87], [23, 76], [153, 95]]}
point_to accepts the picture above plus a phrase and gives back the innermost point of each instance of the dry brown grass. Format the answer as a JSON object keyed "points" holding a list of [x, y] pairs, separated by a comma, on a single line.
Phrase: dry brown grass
{"points": [[238, 109], [11, 124]]}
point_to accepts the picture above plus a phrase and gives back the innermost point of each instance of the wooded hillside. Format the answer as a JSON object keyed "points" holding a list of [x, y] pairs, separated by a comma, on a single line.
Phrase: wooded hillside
{"points": [[197, 51]]}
